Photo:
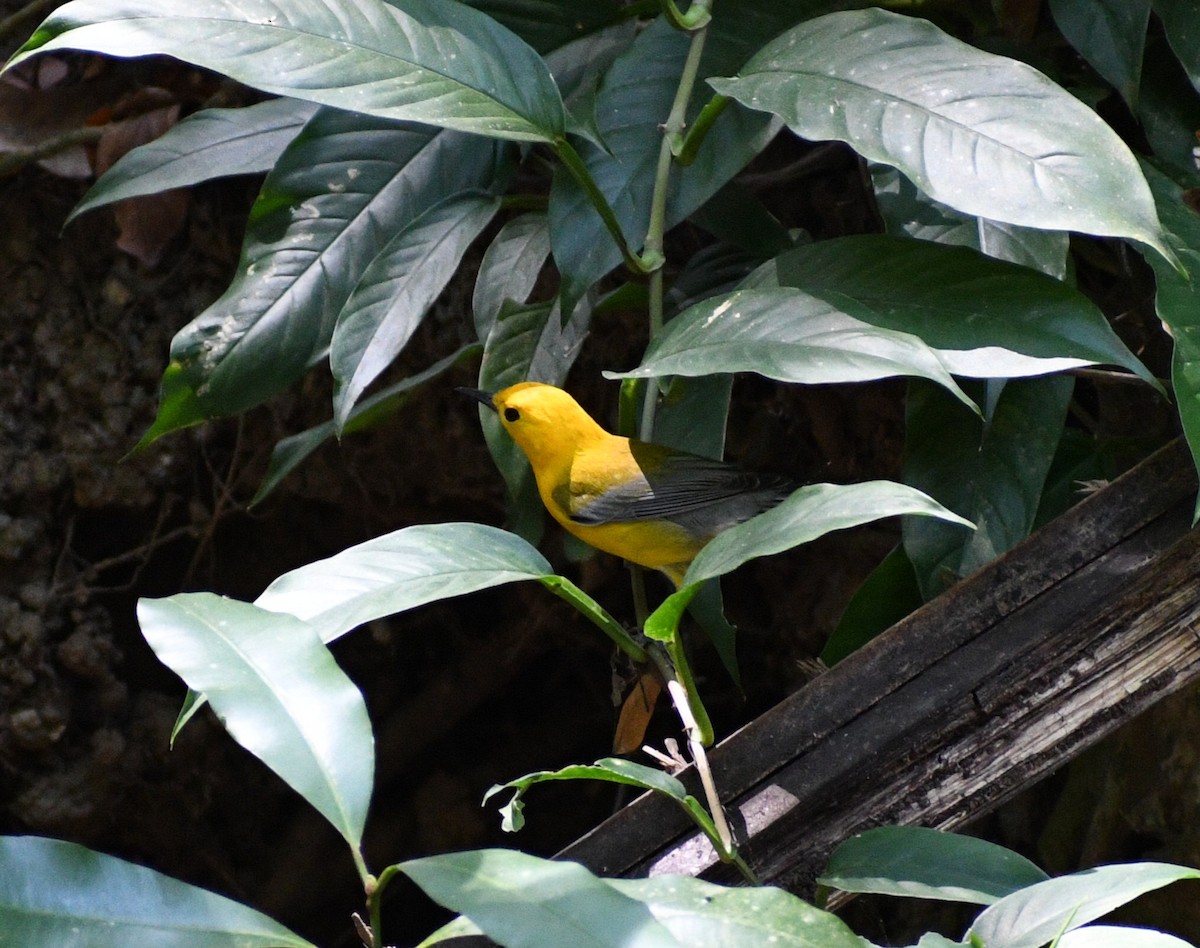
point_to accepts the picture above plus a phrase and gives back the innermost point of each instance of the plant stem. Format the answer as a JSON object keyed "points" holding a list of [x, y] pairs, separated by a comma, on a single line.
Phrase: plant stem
{"points": [[655, 231], [15, 160], [685, 148], [374, 901], [696, 18], [568, 591], [646, 262], [682, 700]]}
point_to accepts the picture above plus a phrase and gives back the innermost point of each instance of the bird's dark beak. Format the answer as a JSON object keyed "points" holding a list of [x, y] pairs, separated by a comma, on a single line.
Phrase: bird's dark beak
{"points": [[484, 398]]}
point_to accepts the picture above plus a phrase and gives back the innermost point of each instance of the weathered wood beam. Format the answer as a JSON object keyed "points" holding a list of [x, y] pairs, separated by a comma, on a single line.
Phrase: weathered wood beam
{"points": [[963, 704]]}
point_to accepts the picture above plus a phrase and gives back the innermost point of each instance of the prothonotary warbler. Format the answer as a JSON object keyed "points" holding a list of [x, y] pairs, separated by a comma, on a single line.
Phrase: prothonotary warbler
{"points": [[648, 503]]}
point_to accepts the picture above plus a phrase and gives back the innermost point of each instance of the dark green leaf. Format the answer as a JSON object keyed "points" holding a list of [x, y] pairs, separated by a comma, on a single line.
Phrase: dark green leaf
{"points": [[509, 269], [337, 194], [609, 769], [993, 474], [1081, 461], [901, 91], [1033, 916], [927, 864], [662, 625], [1177, 302], [193, 701], [1179, 22], [548, 24], [909, 212], [522, 900], [208, 144], [415, 566], [441, 64], [634, 99], [885, 597], [397, 289], [289, 453], [1119, 936], [58, 893], [1110, 35], [735, 214], [1169, 107], [703, 915], [526, 343], [934, 940], [789, 335], [178, 406], [987, 318], [279, 693], [808, 513], [692, 415], [400, 571]]}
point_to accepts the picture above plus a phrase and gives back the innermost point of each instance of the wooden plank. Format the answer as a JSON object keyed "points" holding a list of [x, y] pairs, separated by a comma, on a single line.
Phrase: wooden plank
{"points": [[964, 703]]}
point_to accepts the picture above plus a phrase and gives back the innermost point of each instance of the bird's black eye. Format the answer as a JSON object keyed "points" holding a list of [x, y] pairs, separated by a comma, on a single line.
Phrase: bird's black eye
{"points": [[511, 414]]}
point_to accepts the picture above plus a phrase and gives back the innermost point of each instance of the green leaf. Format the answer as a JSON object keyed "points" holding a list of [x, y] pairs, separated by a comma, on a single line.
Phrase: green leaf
{"points": [[208, 144], [289, 453], [1033, 916], [808, 513], [178, 406], [455, 932], [522, 900], [399, 571], [993, 474], [708, 609], [595, 613], [608, 769], [735, 214], [279, 693], [58, 893], [1179, 23], [790, 335], [513, 338], [509, 269], [339, 191], [662, 625], [193, 701], [692, 415], [1119, 936], [987, 318], [397, 289], [909, 212], [548, 24], [928, 864], [441, 64], [526, 343], [703, 915], [418, 565], [1110, 35], [1177, 302], [1169, 107], [901, 91], [633, 100], [887, 595], [934, 940]]}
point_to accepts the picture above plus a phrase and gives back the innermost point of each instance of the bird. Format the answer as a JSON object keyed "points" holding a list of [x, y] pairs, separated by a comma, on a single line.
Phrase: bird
{"points": [[650, 504]]}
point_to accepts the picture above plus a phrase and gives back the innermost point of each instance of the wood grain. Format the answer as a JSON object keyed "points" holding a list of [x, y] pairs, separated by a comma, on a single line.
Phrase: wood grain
{"points": [[966, 702]]}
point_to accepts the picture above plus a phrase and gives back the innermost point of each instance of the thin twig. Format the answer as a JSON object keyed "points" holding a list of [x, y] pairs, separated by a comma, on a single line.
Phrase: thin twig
{"points": [[14, 161]]}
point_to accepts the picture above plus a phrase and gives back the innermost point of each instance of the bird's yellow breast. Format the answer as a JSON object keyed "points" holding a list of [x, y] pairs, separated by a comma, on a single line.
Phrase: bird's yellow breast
{"points": [[595, 468]]}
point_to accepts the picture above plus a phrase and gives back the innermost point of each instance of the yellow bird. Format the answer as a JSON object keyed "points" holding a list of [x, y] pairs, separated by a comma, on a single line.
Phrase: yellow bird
{"points": [[650, 504]]}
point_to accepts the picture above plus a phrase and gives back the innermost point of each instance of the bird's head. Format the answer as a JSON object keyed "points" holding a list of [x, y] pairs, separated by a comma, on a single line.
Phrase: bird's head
{"points": [[546, 422]]}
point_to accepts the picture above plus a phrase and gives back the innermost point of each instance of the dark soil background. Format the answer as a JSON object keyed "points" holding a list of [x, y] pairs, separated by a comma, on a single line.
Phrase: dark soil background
{"points": [[464, 693]]}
